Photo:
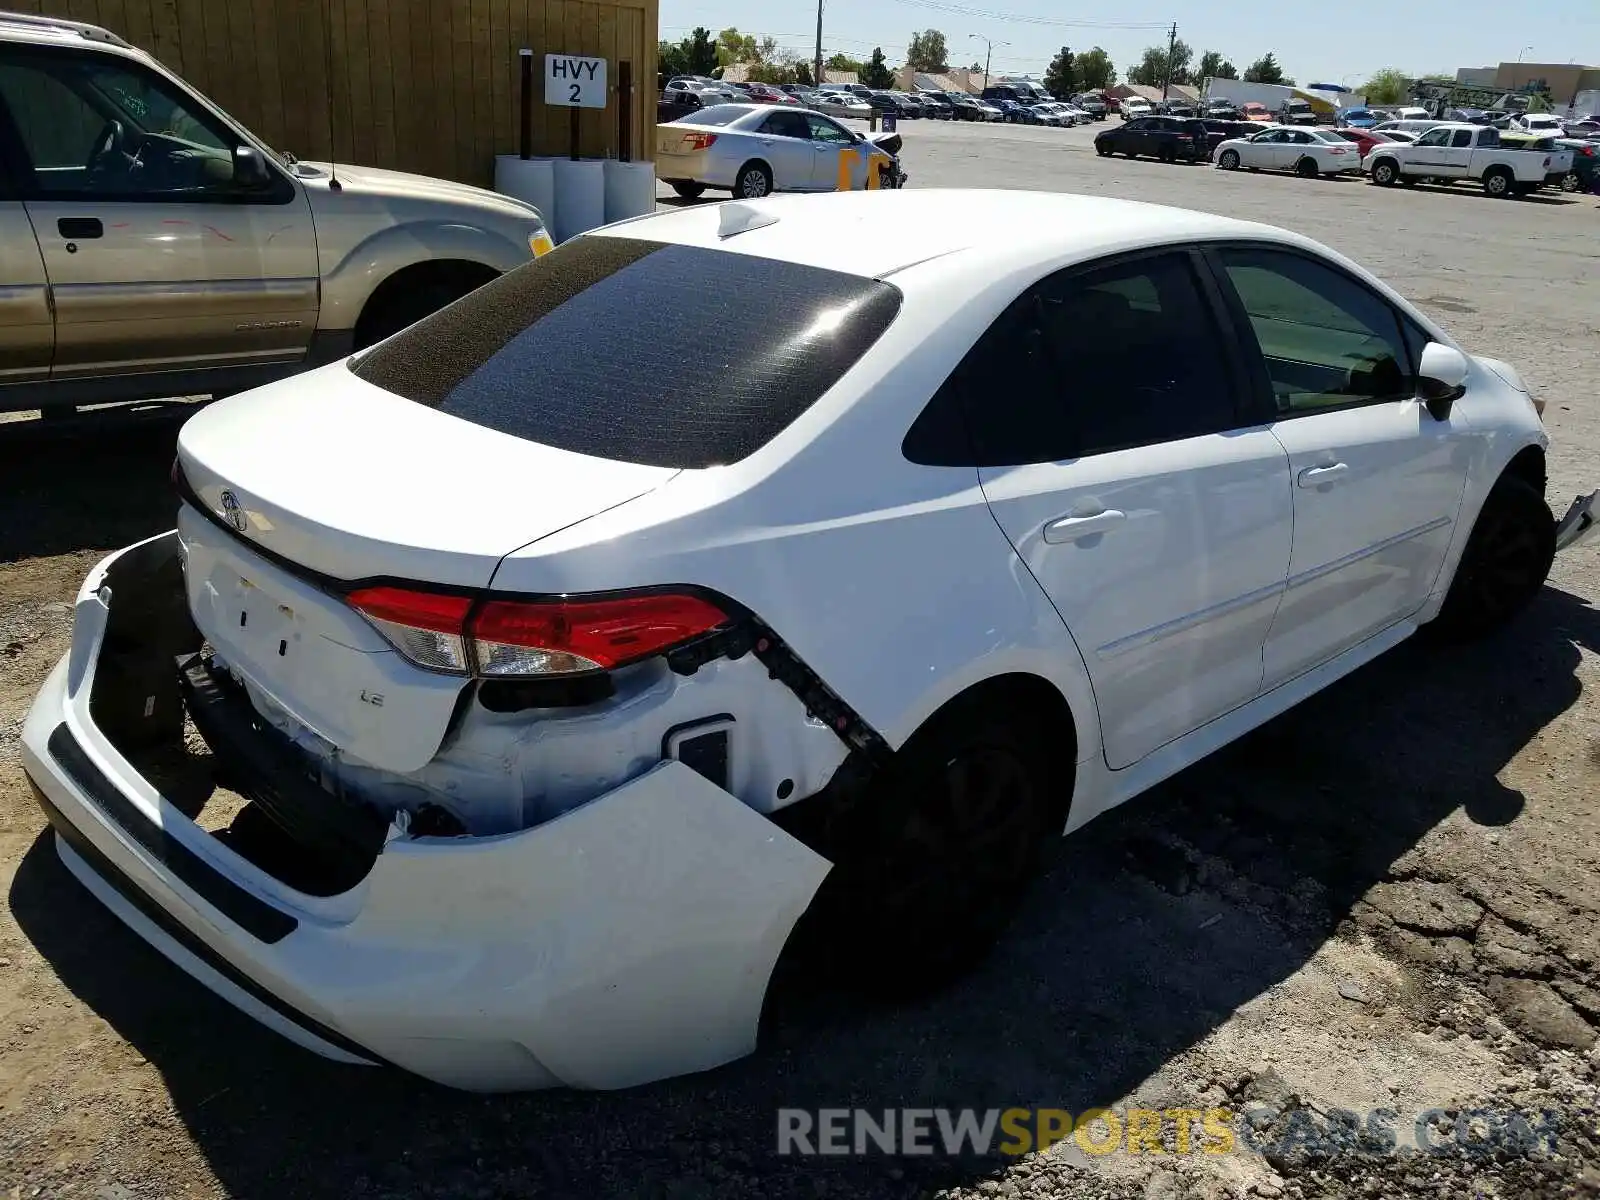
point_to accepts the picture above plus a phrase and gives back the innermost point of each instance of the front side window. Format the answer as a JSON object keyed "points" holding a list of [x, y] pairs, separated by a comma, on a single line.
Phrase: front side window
{"points": [[1328, 340], [1089, 362], [94, 126], [824, 130], [1435, 137]]}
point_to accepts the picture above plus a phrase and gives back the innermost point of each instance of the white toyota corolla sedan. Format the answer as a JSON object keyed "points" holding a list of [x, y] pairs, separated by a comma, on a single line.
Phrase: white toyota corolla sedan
{"points": [[815, 556], [1307, 152]]}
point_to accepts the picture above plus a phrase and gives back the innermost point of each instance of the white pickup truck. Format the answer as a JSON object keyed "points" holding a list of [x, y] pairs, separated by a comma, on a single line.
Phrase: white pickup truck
{"points": [[1461, 151]]}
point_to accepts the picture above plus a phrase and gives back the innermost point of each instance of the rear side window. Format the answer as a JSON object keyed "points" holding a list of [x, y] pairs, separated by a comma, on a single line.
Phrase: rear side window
{"points": [[639, 351], [1085, 363]]}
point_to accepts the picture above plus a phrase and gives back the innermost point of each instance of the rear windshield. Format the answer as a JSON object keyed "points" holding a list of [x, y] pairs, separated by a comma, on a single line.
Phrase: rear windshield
{"points": [[639, 351], [716, 114]]}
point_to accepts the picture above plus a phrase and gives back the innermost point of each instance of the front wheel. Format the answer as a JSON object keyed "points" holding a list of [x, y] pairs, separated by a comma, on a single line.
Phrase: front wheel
{"points": [[1229, 160], [1384, 173], [1102, 149], [1505, 563]]}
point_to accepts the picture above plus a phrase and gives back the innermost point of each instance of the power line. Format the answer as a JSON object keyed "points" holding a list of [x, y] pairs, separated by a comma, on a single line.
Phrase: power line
{"points": [[960, 10]]}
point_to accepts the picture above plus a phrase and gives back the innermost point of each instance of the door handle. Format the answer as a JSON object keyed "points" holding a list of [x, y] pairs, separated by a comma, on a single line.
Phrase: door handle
{"points": [[1070, 529], [1313, 477], [80, 227]]}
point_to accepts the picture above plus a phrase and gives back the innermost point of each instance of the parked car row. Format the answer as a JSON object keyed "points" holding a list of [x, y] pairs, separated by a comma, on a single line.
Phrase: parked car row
{"points": [[1504, 164]]}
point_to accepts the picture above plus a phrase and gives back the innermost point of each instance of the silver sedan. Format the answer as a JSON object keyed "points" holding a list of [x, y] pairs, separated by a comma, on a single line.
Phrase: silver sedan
{"points": [[754, 149]]}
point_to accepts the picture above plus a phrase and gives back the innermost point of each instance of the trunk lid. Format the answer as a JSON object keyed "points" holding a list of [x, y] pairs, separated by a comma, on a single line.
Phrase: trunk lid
{"points": [[353, 482], [329, 476]]}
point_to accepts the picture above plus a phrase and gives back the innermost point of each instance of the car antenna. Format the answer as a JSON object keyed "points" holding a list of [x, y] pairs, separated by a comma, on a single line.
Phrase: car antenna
{"points": [[327, 82]]}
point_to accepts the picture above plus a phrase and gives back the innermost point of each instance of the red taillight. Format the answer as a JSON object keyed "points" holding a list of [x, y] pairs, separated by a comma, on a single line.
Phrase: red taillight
{"points": [[1586, 151], [507, 638], [558, 637], [429, 629], [699, 141]]}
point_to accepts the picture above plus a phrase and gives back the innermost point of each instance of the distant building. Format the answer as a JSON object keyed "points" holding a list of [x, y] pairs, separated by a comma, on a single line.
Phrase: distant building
{"points": [[958, 79], [1475, 76], [1564, 80]]}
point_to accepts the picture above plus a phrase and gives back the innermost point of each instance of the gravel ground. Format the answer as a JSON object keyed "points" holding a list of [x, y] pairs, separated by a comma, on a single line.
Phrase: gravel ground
{"points": [[1385, 899]]}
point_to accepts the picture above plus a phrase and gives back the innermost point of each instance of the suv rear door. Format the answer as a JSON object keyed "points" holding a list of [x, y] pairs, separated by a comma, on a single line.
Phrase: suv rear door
{"points": [[27, 330], [158, 259]]}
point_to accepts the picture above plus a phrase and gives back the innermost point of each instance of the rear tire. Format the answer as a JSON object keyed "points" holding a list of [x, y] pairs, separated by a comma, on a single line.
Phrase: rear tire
{"points": [[1167, 155], [1570, 182], [689, 191], [1306, 168], [938, 856], [1505, 563], [753, 181], [1498, 183]]}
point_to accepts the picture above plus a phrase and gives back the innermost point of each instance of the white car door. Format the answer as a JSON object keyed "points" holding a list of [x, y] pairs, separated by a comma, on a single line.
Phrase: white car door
{"points": [[1266, 150], [1430, 154], [1455, 159], [1104, 407], [1377, 480], [784, 140], [837, 163]]}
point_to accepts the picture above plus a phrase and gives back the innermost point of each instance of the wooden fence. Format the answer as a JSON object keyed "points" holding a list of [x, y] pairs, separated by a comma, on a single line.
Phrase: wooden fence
{"points": [[416, 85]]}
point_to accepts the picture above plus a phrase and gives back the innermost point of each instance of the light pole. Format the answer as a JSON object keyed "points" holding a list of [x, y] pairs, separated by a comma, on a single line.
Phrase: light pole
{"points": [[988, 54], [1523, 51]]}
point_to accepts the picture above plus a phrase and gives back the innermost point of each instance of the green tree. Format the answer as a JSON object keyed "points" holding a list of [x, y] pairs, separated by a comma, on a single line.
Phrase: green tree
{"points": [[803, 75], [735, 47], [841, 61], [699, 53], [1265, 70], [1388, 86], [672, 60], [1214, 66], [1061, 76], [928, 52], [876, 74], [1095, 69], [1153, 69], [976, 66]]}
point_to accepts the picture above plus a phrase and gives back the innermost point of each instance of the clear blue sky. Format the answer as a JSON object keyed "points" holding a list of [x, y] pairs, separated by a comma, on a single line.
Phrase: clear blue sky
{"points": [[1322, 43]]}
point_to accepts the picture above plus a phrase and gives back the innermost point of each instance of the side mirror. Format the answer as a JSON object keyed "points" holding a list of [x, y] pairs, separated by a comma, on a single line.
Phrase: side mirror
{"points": [[249, 171], [1442, 378]]}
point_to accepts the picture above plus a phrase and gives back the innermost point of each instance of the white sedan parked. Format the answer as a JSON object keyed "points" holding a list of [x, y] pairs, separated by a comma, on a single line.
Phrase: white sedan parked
{"points": [[1307, 152], [842, 104], [756, 149], [571, 643]]}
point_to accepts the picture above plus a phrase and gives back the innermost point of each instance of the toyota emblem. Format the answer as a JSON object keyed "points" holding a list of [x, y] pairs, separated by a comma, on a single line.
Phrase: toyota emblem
{"points": [[232, 513]]}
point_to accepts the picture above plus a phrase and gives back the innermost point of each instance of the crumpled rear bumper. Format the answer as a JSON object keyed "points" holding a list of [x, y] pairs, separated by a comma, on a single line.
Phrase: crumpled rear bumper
{"points": [[628, 940]]}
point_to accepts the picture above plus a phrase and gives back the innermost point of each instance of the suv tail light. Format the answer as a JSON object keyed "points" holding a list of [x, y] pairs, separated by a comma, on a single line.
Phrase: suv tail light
{"points": [[699, 141], [507, 639]]}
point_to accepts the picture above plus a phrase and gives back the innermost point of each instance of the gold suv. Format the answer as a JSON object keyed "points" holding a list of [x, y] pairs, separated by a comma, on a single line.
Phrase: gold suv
{"points": [[152, 246]]}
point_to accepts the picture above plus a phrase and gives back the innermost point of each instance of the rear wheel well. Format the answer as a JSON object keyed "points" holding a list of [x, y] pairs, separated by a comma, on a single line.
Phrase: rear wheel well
{"points": [[1037, 702], [401, 290]]}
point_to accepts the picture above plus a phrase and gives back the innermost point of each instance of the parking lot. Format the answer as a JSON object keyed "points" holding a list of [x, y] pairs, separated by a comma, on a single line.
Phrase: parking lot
{"points": [[1387, 898]]}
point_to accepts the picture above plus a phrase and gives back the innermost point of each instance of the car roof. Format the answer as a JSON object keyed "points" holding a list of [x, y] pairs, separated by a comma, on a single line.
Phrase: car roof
{"points": [[878, 233], [30, 27]]}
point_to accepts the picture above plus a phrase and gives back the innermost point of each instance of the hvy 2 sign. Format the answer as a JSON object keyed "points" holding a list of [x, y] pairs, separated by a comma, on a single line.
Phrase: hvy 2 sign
{"points": [[574, 82]]}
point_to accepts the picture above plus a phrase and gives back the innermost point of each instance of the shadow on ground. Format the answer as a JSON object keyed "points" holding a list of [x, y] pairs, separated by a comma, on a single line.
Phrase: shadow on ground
{"points": [[1112, 970], [98, 480]]}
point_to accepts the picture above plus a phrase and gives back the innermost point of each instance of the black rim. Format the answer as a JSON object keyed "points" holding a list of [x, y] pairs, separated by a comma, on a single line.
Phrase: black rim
{"points": [[968, 840], [1506, 567]]}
